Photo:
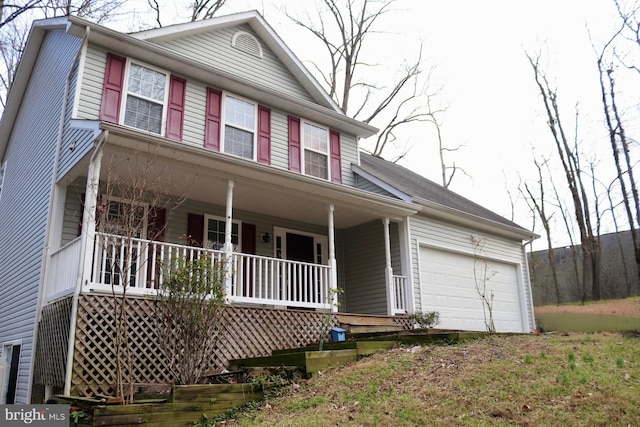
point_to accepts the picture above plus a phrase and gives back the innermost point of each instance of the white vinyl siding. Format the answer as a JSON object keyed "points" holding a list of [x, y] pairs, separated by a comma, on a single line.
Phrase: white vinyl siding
{"points": [[75, 142], [30, 155], [453, 238], [214, 48], [364, 267], [3, 167], [90, 93]]}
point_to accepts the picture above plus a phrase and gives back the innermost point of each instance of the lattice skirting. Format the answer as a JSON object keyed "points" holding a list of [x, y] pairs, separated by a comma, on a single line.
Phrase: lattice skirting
{"points": [[245, 332], [51, 348]]}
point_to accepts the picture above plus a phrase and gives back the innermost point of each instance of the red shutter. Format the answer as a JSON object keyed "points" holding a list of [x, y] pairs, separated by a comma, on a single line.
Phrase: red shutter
{"points": [[212, 123], [336, 163], [112, 88], [175, 111], [195, 229], [264, 135], [294, 145]]}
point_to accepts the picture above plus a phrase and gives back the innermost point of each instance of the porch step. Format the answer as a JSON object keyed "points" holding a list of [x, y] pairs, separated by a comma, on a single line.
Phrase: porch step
{"points": [[368, 324], [363, 348], [311, 361]]}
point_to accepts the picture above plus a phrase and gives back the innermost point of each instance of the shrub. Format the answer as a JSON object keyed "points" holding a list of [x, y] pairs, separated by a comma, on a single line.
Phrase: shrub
{"points": [[188, 308], [425, 320]]}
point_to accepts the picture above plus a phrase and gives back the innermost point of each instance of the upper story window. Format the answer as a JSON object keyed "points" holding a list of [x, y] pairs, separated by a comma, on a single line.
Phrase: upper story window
{"points": [[315, 143], [143, 97], [146, 98], [239, 127], [3, 168], [314, 150]]}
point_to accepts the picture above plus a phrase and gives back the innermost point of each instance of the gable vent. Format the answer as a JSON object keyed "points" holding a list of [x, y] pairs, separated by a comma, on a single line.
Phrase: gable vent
{"points": [[247, 43]]}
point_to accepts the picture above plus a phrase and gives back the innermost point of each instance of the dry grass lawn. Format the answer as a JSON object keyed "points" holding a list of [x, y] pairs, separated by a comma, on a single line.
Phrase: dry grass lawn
{"points": [[545, 380]]}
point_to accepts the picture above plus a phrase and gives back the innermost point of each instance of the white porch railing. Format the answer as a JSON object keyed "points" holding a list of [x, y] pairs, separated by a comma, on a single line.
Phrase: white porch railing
{"points": [[253, 279], [63, 272], [400, 294]]}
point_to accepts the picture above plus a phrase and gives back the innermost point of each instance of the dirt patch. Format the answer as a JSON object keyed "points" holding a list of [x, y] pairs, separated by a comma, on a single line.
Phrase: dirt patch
{"points": [[629, 307]]}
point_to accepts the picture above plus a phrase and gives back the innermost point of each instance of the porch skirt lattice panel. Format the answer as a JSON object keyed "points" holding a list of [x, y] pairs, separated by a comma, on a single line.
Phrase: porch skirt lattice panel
{"points": [[51, 347], [245, 332]]}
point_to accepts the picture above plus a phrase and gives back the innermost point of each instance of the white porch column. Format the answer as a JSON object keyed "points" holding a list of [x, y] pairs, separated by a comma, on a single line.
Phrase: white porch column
{"points": [[228, 246], [55, 229], [405, 257], [388, 271], [87, 245], [333, 270]]}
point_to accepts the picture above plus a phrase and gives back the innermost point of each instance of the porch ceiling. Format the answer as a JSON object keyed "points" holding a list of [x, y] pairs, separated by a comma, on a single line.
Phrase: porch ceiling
{"points": [[202, 175]]}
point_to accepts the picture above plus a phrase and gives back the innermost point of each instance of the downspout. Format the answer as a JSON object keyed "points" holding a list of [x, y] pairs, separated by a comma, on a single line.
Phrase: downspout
{"points": [[89, 209], [45, 254], [532, 320]]}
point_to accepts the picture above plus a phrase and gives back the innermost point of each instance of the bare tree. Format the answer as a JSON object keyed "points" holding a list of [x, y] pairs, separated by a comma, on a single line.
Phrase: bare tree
{"points": [[131, 215], [9, 11], [93, 10], [343, 28], [619, 141], [198, 9], [569, 158], [539, 205], [12, 40]]}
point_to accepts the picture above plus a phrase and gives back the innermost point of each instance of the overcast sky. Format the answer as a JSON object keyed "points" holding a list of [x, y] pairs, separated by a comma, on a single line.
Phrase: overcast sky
{"points": [[478, 50]]}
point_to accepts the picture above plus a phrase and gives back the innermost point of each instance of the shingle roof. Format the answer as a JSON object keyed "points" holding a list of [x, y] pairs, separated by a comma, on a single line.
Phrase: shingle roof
{"points": [[417, 186]]}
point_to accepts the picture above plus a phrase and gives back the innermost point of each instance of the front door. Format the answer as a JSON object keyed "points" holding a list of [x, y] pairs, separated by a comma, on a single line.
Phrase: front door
{"points": [[302, 281]]}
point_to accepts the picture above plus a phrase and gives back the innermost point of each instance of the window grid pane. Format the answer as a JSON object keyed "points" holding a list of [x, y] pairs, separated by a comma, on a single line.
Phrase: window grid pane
{"points": [[315, 164], [238, 142], [240, 114], [143, 114], [215, 234], [146, 82], [315, 138]]}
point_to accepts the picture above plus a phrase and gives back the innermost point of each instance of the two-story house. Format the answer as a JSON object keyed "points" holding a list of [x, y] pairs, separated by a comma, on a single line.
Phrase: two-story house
{"points": [[263, 171]]}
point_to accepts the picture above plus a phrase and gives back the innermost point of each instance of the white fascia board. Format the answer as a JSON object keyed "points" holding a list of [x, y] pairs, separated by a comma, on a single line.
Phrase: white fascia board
{"points": [[266, 33], [377, 181], [240, 169], [192, 68], [23, 74], [463, 218]]}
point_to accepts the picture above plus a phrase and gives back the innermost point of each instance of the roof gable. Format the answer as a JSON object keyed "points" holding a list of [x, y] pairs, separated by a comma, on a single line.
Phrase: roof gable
{"points": [[219, 32], [427, 193]]}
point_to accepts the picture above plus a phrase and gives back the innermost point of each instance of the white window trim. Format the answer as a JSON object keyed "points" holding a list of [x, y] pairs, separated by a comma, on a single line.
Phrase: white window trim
{"points": [[303, 148], [125, 94], [145, 226], [223, 119], [322, 239], [205, 238], [3, 170]]}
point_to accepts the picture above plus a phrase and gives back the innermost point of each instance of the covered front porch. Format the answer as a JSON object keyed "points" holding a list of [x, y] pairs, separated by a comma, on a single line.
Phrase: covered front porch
{"points": [[286, 240]]}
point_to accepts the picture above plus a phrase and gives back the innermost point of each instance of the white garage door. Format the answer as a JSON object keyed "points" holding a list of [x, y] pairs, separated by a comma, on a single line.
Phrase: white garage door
{"points": [[449, 287]]}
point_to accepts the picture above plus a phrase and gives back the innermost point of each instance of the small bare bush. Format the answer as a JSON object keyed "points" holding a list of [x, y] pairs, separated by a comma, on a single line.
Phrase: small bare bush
{"points": [[188, 308]]}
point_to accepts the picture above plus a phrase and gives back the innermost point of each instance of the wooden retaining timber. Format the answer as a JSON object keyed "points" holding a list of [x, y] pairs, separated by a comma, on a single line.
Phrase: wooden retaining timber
{"points": [[188, 405]]}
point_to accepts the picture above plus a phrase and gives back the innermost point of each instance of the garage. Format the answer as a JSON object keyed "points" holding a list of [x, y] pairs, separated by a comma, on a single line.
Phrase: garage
{"points": [[447, 285]]}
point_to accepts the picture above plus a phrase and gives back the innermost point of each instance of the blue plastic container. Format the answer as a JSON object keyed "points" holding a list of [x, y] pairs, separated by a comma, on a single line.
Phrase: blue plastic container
{"points": [[338, 334]]}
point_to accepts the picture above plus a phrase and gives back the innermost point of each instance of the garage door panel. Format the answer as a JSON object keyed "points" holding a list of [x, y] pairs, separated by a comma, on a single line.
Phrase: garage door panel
{"points": [[449, 287]]}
